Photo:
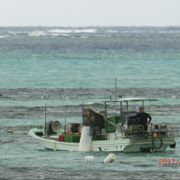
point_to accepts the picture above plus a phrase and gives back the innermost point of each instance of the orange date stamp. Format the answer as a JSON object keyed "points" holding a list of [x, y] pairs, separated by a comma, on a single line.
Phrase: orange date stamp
{"points": [[169, 162]]}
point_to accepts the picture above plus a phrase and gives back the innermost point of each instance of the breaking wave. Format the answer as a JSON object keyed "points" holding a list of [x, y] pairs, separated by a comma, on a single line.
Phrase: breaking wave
{"points": [[6, 32]]}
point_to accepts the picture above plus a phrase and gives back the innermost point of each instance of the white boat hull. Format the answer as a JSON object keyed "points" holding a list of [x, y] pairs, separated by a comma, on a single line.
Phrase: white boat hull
{"points": [[119, 145]]}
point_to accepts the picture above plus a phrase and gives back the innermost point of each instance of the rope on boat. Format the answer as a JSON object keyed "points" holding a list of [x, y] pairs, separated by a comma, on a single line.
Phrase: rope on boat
{"points": [[110, 122]]}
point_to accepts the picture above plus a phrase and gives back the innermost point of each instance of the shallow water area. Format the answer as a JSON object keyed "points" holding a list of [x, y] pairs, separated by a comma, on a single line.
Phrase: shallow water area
{"points": [[63, 68], [25, 158]]}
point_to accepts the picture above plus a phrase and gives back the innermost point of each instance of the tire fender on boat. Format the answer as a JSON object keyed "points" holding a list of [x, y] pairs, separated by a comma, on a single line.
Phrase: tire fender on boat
{"points": [[157, 139]]}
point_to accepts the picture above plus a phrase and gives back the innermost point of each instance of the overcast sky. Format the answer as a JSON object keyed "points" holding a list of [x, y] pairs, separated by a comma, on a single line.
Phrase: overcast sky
{"points": [[90, 12]]}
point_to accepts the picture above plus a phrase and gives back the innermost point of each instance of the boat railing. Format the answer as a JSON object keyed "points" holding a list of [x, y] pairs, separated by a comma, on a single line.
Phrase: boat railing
{"points": [[154, 130], [134, 130], [100, 137], [169, 131], [174, 131]]}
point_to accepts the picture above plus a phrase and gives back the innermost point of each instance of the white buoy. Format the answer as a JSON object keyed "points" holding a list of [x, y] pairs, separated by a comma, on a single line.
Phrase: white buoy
{"points": [[89, 158], [85, 140], [110, 158]]}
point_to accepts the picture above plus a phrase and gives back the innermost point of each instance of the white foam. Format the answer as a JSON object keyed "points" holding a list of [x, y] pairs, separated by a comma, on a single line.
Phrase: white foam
{"points": [[168, 31], [84, 30], [3, 36], [68, 31], [111, 31], [60, 31], [134, 31], [36, 33]]}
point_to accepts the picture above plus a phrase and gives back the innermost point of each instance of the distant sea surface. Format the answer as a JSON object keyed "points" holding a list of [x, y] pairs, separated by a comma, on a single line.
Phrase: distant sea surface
{"points": [[63, 67]]}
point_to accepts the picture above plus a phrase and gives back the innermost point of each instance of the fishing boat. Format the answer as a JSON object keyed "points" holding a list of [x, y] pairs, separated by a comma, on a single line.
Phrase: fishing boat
{"points": [[107, 126]]}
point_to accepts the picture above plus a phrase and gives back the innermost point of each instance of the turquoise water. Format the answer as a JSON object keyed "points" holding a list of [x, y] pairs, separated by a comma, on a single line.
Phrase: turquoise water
{"points": [[149, 70], [43, 65]]}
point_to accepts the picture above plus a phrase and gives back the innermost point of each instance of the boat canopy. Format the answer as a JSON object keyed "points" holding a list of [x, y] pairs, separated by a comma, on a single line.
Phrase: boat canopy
{"points": [[136, 99], [128, 99]]}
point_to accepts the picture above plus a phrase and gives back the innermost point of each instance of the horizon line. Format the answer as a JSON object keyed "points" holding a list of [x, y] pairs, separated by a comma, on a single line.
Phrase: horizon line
{"points": [[83, 26]]}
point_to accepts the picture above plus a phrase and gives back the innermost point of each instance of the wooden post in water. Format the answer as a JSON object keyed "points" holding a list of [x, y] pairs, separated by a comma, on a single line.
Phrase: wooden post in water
{"points": [[115, 89]]}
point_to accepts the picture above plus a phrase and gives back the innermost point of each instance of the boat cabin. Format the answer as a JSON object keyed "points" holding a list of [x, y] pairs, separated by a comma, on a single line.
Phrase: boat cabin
{"points": [[111, 116]]}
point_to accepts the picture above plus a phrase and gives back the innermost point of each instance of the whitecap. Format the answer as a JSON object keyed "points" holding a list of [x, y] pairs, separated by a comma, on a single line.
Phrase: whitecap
{"points": [[36, 33], [3, 36], [168, 31], [85, 31], [134, 31], [59, 34], [60, 31], [68, 31], [111, 31]]}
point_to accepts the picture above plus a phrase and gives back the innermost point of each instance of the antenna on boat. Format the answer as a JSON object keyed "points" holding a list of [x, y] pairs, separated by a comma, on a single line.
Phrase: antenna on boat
{"points": [[45, 121], [115, 89], [65, 111]]}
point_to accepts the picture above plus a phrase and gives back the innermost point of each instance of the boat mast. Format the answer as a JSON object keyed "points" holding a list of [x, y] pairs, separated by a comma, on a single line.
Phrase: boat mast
{"points": [[65, 119], [45, 121], [115, 89]]}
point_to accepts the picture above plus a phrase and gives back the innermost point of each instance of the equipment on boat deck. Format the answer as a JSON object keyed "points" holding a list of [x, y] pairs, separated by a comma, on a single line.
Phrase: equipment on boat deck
{"points": [[53, 127], [108, 126]]}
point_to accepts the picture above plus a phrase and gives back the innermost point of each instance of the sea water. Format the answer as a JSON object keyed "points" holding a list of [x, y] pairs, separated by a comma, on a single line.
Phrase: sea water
{"points": [[61, 68]]}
